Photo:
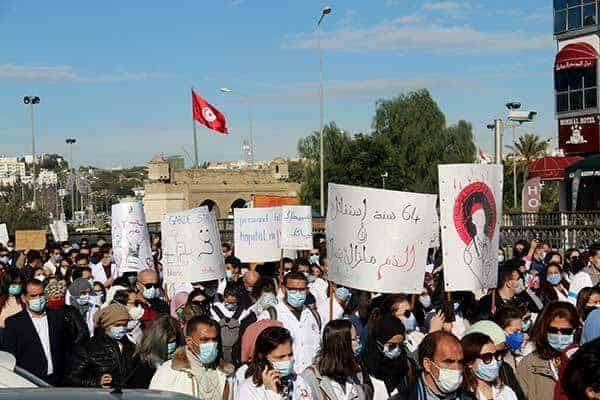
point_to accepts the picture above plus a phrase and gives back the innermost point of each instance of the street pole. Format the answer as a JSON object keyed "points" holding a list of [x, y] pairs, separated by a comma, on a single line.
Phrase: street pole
{"points": [[498, 140], [33, 152], [324, 12], [514, 168], [195, 145]]}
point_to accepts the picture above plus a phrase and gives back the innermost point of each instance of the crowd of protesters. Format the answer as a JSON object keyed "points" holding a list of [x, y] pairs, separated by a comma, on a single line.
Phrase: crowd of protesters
{"points": [[261, 333]]}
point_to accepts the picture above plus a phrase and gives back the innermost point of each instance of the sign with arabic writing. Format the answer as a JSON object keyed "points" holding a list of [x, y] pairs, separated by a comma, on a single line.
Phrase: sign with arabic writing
{"points": [[377, 240], [191, 247], [470, 214], [296, 227]]}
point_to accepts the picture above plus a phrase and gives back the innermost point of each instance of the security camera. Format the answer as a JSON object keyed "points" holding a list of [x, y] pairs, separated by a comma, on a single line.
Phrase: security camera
{"points": [[521, 116], [513, 105], [26, 100]]}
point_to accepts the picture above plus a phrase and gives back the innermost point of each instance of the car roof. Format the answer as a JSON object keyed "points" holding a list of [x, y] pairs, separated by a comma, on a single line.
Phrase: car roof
{"points": [[87, 394]]}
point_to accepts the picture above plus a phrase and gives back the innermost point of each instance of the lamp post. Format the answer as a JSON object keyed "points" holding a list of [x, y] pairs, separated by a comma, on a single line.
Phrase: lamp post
{"points": [[71, 142], [517, 118], [383, 176], [31, 100], [326, 10]]}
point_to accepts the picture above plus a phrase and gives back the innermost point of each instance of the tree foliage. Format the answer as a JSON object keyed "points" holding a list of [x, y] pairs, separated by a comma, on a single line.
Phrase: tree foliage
{"points": [[16, 215], [409, 139]]}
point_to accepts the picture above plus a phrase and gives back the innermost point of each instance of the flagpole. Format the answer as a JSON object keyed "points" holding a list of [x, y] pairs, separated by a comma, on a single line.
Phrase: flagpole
{"points": [[195, 137]]}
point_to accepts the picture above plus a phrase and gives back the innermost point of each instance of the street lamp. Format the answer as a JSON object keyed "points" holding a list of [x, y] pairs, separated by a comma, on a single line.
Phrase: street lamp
{"points": [[31, 100], [326, 10], [383, 176], [517, 118], [71, 142]]}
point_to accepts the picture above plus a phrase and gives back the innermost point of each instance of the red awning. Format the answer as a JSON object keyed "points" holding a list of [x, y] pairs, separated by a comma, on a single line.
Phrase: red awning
{"points": [[551, 168], [576, 55]]}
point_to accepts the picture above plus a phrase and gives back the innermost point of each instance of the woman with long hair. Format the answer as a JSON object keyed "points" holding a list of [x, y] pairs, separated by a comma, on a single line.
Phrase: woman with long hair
{"points": [[482, 369], [158, 345], [553, 332], [11, 287], [588, 301], [270, 374], [336, 373], [553, 286]]}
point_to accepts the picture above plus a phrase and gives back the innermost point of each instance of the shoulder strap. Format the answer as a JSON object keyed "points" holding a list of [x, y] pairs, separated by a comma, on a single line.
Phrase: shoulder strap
{"points": [[315, 314], [272, 313], [218, 312], [237, 313]]}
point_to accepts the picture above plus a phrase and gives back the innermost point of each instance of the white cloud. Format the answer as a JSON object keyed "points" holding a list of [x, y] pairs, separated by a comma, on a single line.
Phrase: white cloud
{"points": [[66, 73], [447, 6], [398, 35]]}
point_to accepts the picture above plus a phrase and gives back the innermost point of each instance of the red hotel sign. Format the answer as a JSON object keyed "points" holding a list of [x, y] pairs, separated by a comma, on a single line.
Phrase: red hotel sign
{"points": [[578, 135]]}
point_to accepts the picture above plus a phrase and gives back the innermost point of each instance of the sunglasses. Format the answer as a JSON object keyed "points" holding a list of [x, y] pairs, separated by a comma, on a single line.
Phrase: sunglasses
{"points": [[488, 357], [562, 331], [151, 285]]}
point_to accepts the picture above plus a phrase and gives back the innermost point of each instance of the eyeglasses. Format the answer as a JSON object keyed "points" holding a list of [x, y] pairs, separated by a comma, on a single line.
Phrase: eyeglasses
{"points": [[562, 331], [488, 357]]}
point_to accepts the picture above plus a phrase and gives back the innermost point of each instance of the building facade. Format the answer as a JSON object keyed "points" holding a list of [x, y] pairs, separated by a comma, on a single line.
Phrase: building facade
{"points": [[222, 189]]}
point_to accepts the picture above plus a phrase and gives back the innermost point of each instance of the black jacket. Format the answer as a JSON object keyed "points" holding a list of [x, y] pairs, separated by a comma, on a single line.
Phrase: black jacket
{"points": [[417, 392], [76, 329], [100, 356], [141, 375], [22, 340]]}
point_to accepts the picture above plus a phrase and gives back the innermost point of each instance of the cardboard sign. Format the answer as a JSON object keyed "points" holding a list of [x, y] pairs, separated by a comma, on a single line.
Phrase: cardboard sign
{"points": [[30, 240], [59, 230], [471, 212], [191, 247], [377, 240], [296, 228], [130, 238], [3, 234], [257, 233]]}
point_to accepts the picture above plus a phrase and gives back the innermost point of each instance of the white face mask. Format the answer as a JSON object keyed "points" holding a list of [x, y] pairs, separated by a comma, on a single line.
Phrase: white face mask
{"points": [[136, 313], [449, 380]]}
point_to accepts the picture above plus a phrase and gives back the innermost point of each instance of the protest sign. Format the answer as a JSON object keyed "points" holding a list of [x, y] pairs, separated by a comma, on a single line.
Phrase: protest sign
{"points": [[191, 247], [471, 210], [377, 240], [257, 234], [3, 234], [130, 239], [59, 230], [30, 240], [296, 227], [435, 237]]}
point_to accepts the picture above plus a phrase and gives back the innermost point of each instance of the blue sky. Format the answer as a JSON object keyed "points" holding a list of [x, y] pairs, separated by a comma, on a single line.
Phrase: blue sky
{"points": [[116, 75]]}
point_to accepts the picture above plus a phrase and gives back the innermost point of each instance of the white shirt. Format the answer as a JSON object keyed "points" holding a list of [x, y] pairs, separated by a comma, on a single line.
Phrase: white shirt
{"points": [[323, 309], [305, 333], [505, 393], [41, 327], [249, 391], [579, 281]]}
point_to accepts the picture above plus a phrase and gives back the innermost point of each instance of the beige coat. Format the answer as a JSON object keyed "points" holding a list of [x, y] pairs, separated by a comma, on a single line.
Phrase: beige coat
{"points": [[536, 377]]}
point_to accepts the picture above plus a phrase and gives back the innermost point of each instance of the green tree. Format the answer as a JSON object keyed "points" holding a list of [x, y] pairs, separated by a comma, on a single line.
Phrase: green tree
{"points": [[527, 149], [16, 215]]}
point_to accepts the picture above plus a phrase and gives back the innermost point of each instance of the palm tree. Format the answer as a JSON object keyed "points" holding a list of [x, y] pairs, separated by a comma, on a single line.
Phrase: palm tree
{"points": [[527, 149]]}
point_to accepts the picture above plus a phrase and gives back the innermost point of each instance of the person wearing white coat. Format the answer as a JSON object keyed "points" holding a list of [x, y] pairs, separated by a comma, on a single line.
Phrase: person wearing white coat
{"points": [[303, 323]]}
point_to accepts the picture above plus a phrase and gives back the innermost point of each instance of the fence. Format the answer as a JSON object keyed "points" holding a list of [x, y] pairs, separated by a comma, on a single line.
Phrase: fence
{"points": [[560, 230]]}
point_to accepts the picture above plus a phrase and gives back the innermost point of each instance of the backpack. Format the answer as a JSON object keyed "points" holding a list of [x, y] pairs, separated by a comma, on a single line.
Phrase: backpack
{"points": [[273, 315], [230, 331]]}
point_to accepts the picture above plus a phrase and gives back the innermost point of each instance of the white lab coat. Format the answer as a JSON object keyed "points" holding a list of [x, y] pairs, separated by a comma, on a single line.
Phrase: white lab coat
{"points": [[323, 309], [318, 288], [306, 334], [249, 391]]}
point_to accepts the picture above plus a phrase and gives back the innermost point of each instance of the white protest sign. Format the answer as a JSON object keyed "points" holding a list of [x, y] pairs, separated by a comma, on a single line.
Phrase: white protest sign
{"points": [[59, 230], [191, 247], [257, 234], [130, 238], [3, 234], [296, 227], [471, 211], [435, 237], [377, 240]]}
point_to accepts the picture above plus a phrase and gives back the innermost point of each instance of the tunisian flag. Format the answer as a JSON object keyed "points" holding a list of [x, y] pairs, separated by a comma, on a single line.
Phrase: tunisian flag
{"points": [[208, 115]]}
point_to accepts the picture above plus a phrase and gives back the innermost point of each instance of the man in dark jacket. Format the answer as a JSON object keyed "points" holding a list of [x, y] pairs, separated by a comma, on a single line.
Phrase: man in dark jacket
{"points": [[35, 336], [441, 360], [106, 359]]}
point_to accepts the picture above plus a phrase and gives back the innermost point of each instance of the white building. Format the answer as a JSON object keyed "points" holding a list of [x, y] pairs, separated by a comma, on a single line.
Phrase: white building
{"points": [[11, 171], [47, 178]]}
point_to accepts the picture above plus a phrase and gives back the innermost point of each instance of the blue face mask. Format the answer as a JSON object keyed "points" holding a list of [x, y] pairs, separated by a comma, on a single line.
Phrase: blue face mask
{"points": [[117, 332], [285, 368], [527, 325], [410, 323], [392, 354], [208, 353], [488, 372], [14, 289], [228, 274], [559, 342], [314, 259], [515, 340], [149, 294], [343, 293], [37, 305], [171, 347], [4, 259], [231, 306], [296, 298], [357, 347], [83, 299], [311, 278], [554, 279]]}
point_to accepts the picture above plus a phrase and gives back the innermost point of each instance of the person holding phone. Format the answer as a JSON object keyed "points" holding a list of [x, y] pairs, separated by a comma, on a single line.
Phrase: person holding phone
{"points": [[270, 374]]}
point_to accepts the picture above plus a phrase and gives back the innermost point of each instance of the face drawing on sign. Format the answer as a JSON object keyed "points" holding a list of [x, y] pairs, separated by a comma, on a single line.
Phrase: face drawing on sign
{"points": [[475, 222], [206, 246], [134, 235]]}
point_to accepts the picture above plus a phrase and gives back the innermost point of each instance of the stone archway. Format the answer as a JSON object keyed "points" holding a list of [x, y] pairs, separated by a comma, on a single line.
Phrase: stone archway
{"points": [[238, 203], [212, 205]]}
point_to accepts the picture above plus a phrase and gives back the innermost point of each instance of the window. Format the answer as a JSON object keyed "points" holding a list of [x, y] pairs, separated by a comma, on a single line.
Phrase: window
{"points": [[574, 14], [576, 89]]}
